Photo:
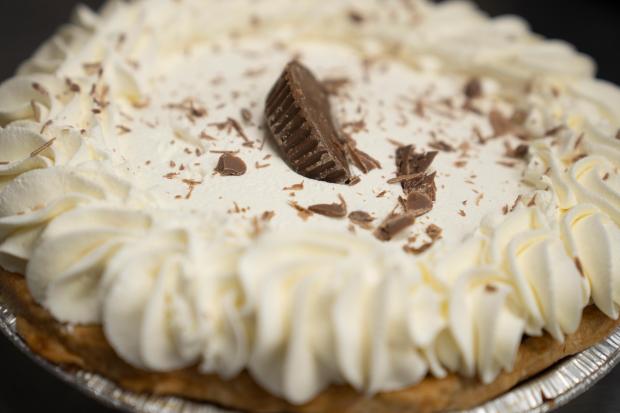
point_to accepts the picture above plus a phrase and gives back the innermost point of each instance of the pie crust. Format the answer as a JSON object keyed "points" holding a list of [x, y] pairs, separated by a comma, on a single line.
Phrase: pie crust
{"points": [[85, 347]]}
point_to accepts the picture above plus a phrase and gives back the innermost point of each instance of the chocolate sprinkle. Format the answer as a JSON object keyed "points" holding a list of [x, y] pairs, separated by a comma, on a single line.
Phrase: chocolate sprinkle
{"points": [[473, 89], [361, 218], [330, 210], [434, 232], [408, 162], [230, 165], [500, 124], [298, 115], [418, 204], [393, 225]]}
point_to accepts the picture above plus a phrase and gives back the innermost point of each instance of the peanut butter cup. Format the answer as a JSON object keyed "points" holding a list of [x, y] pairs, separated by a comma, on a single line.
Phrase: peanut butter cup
{"points": [[298, 115]]}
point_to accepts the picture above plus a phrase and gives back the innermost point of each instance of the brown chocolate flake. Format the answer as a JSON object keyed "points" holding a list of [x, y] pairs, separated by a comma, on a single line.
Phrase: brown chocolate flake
{"points": [[43, 147], [618, 135], [410, 163], [205, 136], [434, 232], [299, 118], [507, 164], [246, 115], [555, 131], [354, 126], [303, 213], [462, 213], [230, 165], [579, 141], [361, 160], [267, 216], [122, 129], [171, 175], [361, 218], [418, 204], [393, 225], [191, 184], [73, 87], [490, 288], [356, 17], [473, 88], [231, 124], [40, 89], [381, 194], [258, 165], [606, 176], [442, 146], [294, 187], [520, 152], [4, 162], [331, 210], [334, 86], [191, 109], [500, 124], [45, 126], [395, 142], [460, 164], [92, 68]]}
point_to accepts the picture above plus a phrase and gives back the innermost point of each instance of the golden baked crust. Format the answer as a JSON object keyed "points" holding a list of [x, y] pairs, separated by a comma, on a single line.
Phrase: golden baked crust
{"points": [[86, 348]]}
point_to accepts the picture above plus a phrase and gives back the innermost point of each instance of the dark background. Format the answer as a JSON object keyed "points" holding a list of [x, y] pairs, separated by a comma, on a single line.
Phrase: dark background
{"points": [[591, 25]]}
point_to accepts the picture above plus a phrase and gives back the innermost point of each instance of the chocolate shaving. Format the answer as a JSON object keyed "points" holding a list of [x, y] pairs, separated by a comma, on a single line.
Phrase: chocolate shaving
{"points": [[294, 187], [303, 213], [434, 232], [362, 160], [231, 124], [618, 135], [74, 87], [418, 204], [554, 131], [42, 147], [520, 152], [122, 130], [489, 288], [405, 178], [473, 88], [230, 165], [331, 210], [356, 17], [442, 146], [500, 124], [40, 89], [246, 115], [361, 218], [335, 85], [393, 225]]}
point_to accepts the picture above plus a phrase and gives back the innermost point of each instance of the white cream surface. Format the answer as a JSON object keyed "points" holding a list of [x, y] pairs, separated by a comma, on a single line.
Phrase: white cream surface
{"points": [[164, 149], [110, 208]]}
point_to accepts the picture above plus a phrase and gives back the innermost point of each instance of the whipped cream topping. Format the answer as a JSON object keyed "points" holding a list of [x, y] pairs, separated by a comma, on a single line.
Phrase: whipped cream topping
{"points": [[109, 206]]}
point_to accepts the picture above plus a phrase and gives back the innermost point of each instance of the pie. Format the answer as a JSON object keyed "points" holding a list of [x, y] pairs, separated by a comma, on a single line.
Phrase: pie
{"points": [[291, 206]]}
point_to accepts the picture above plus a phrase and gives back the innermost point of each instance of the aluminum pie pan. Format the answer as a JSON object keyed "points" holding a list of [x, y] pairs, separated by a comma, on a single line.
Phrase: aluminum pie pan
{"points": [[551, 389]]}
